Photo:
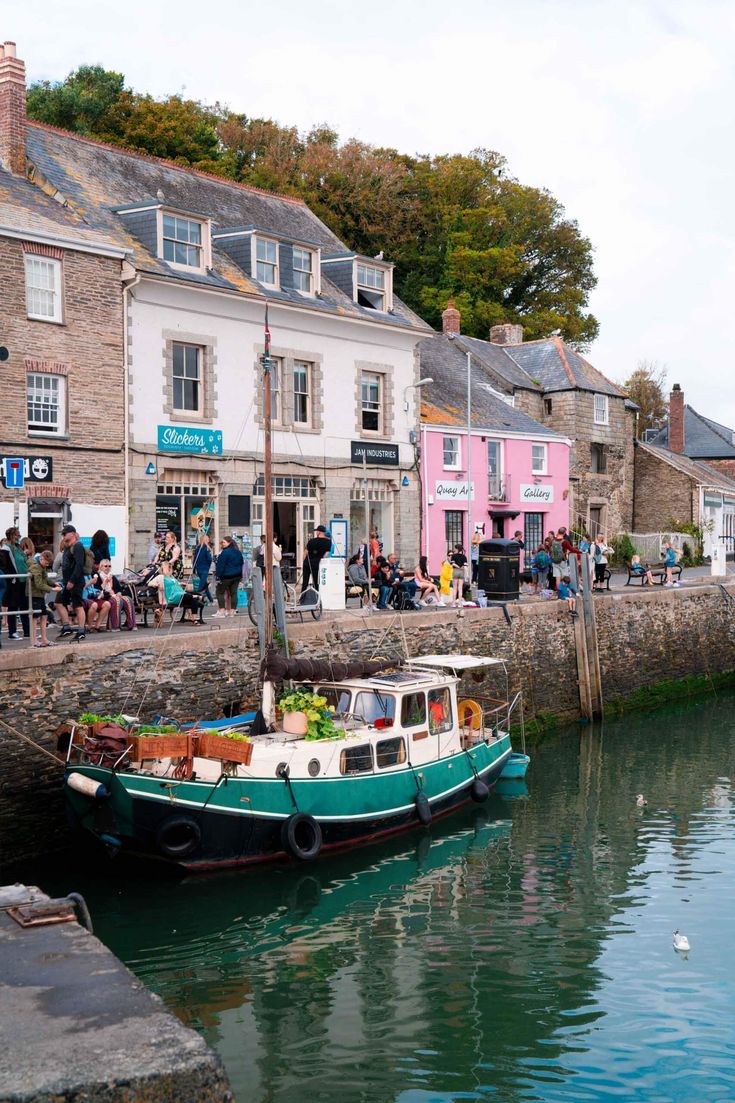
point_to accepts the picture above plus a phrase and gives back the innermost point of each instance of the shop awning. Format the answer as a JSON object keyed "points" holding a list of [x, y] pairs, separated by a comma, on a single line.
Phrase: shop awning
{"points": [[502, 514]]}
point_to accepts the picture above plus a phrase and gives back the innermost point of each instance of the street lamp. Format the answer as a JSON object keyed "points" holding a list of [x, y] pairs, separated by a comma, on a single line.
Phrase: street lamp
{"points": [[411, 387]]}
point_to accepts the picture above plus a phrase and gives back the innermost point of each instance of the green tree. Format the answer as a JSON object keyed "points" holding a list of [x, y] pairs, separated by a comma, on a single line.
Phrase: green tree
{"points": [[82, 102], [647, 388]]}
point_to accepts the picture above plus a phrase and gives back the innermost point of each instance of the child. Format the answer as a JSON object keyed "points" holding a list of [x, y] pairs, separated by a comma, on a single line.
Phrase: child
{"points": [[445, 582], [669, 563], [566, 592], [40, 586], [638, 569], [543, 562]]}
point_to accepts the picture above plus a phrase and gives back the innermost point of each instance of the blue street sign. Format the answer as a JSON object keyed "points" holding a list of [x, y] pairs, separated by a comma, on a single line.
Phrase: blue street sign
{"points": [[15, 474], [150, 469]]}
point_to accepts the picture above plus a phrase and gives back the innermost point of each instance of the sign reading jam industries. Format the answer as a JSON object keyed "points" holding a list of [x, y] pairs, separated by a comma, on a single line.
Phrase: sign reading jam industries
{"points": [[183, 438], [540, 494], [384, 455], [36, 469]]}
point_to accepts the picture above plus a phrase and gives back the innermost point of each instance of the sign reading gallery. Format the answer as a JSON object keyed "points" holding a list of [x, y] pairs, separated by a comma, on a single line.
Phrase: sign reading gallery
{"points": [[537, 494]]}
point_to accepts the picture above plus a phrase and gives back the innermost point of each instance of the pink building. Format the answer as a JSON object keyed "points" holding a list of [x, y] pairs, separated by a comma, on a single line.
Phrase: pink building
{"points": [[518, 470]]}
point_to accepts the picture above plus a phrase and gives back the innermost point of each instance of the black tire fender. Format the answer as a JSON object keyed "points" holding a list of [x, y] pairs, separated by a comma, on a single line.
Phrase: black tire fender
{"points": [[301, 837], [423, 809], [479, 791], [178, 837]]}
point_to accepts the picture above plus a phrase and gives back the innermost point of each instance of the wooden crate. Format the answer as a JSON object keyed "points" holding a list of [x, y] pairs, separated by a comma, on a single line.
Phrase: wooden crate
{"points": [[211, 745], [173, 745]]}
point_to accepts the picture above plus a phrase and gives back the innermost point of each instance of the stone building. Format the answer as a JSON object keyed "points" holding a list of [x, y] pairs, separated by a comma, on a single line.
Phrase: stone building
{"points": [[61, 324], [691, 434], [551, 383]]}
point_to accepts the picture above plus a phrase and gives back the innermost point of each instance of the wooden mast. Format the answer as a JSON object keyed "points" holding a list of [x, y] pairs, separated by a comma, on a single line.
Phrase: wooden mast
{"points": [[268, 557]]}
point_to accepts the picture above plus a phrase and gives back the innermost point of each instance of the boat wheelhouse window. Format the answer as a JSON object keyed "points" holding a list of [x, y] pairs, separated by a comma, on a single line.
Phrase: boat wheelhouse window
{"points": [[440, 711], [338, 699], [356, 760], [375, 708], [413, 710], [390, 752]]}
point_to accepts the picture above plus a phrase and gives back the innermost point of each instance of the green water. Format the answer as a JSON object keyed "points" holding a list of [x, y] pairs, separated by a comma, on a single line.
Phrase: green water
{"points": [[522, 951]]}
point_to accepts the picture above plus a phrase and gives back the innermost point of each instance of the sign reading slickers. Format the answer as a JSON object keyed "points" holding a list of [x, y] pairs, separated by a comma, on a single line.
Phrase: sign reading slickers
{"points": [[383, 455], [183, 438], [36, 469], [537, 494]]}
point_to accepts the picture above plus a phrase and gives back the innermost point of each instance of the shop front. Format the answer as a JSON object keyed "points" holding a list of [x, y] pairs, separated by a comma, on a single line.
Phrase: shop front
{"points": [[187, 503], [296, 513]]}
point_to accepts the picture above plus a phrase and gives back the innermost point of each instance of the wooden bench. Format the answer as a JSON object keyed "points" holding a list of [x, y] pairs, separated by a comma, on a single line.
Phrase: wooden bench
{"points": [[658, 572], [171, 610]]}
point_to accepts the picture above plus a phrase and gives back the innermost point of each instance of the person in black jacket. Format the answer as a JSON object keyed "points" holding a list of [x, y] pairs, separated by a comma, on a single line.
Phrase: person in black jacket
{"points": [[70, 602], [316, 549], [228, 571]]}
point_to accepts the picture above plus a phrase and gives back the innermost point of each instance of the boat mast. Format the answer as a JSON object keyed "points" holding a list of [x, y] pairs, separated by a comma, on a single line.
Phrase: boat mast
{"points": [[268, 557]]}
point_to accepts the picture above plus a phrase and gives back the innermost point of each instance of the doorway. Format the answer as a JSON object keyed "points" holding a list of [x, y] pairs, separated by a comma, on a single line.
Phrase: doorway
{"points": [[285, 533]]}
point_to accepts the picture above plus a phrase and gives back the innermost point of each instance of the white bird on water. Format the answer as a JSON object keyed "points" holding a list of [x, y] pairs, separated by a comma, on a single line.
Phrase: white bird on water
{"points": [[681, 942], [641, 801]]}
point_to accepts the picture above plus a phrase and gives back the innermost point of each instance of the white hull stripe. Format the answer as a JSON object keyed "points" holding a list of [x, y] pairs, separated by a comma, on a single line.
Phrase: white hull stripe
{"points": [[143, 795]]}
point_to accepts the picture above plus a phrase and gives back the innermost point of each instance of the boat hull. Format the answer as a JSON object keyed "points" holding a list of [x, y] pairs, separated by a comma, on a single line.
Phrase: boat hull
{"points": [[241, 821], [516, 766]]}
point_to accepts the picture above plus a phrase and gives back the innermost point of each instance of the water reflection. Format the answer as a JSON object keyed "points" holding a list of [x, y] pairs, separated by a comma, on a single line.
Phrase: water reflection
{"points": [[522, 951]]}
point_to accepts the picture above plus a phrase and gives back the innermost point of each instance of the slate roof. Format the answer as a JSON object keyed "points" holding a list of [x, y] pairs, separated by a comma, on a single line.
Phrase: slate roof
{"points": [[444, 402], [25, 209], [701, 473], [555, 366], [94, 178], [703, 438]]}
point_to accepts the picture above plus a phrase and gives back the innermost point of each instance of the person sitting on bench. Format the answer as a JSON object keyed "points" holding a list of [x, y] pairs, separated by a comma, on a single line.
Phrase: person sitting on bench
{"points": [[637, 568]]}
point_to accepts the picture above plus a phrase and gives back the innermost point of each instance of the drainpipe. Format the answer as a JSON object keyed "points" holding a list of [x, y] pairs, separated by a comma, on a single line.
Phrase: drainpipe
{"points": [[128, 286]]}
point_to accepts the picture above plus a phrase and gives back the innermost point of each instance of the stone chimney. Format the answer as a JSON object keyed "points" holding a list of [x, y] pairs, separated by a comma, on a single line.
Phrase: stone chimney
{"points": [[451, 318], [12, 111], [507, 334], [676, 419]]}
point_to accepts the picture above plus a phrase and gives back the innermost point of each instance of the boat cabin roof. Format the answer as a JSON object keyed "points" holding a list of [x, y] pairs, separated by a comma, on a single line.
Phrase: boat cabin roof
{"points": [[391, 683], [455, 663]]}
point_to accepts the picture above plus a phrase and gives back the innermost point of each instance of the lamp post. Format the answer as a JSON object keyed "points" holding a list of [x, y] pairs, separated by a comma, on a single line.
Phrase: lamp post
{"points": [[411, 387], [417, 452]]}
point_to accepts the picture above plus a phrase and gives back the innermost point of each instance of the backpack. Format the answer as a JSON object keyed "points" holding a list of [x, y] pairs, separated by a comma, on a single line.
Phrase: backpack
{"points": [[557, 551], [542, 560], [89, 564]]}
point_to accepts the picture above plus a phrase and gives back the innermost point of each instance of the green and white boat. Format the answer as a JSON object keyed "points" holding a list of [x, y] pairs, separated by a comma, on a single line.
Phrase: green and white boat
{"points": [[410, 745]]}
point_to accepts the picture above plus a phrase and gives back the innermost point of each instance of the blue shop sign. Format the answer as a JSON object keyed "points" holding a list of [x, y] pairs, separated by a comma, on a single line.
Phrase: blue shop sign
{"points": [[184, 438]]}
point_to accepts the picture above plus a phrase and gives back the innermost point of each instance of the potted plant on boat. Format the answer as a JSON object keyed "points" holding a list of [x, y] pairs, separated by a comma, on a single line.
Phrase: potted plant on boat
{"points": [[229, 746], [307, 715], [159, 741]]}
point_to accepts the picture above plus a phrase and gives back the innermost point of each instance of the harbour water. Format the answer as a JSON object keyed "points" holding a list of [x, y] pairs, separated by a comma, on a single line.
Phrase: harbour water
{"points": [[521, 951]]}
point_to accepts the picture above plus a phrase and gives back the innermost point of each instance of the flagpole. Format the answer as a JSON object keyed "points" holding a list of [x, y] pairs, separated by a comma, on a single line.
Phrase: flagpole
{"points": [[268, 558]]}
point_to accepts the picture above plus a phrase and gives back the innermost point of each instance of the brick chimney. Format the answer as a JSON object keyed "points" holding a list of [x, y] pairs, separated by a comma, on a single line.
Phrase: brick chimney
{"points": [[12, 111], [676, 419], [507, 334], [451, 318]]}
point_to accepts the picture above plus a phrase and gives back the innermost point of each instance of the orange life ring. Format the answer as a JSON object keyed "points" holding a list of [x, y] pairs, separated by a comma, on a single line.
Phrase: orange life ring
{"points": [[470, 714]]}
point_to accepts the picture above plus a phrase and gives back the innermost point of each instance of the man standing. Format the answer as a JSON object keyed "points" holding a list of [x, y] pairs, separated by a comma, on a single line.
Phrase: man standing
{"points": [[70, 602], [316, 549], [154, 547]]}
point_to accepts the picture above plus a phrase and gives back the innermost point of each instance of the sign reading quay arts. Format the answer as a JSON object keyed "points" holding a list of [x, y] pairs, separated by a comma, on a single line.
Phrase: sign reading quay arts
{"points": [[182, 438], [537, 495]]}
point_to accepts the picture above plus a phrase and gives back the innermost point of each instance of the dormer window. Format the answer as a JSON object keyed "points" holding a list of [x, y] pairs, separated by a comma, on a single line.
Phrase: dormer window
{"points": [[266, 261], [182, 241], [303, 270], [371, 289]]}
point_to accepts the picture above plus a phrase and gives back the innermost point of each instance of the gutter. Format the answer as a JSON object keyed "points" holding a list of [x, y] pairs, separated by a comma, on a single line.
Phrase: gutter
{"points": [[104, 249]]}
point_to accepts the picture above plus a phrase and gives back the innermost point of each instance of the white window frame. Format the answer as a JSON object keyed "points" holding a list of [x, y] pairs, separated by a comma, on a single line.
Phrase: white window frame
{"points": [[601, 407], [204, 246], [277, 390], [367, 406], [456, 449], [35, 265], [302, 367], [543, 468], [275, 264], [198, 412], [51, 382], [495, 483], [308, 272], [381, 290]]}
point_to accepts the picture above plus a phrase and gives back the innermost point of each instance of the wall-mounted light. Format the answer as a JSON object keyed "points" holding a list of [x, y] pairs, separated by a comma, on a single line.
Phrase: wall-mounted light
{"points": [[411, 387]]}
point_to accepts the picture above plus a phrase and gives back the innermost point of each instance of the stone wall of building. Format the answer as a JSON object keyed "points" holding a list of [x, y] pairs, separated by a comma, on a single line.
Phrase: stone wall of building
{"points": [[643, 637], [661, 493]]}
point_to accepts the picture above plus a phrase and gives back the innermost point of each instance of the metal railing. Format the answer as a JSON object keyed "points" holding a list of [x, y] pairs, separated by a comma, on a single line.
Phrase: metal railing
{"points": [[19, 612]]}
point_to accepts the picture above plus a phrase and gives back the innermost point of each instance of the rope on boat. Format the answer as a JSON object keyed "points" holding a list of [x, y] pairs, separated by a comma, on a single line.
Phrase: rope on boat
{"points": [[27, 739]]}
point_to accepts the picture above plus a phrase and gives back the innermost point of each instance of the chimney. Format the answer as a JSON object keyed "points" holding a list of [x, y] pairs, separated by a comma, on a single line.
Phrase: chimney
{"points": [[506, 334], [451, 318], [676, 419], [12, 111]]}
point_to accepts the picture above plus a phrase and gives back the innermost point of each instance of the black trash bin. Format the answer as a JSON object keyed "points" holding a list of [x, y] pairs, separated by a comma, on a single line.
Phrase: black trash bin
{"points": [[499, 569]]}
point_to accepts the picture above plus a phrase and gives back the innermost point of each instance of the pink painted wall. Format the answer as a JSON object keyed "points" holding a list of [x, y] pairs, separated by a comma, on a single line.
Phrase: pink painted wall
{"points": [[515, 473]]}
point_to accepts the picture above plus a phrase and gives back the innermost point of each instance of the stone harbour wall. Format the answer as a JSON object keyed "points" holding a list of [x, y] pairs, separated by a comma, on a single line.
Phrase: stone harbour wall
{"points": [[644, 638]]}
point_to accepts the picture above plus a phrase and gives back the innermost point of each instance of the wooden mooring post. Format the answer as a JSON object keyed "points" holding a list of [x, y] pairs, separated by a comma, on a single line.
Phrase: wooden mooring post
{"points": [[585, 640]]}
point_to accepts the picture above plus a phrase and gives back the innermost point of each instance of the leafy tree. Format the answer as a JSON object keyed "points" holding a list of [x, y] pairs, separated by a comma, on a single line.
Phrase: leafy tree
{"points": [[647, 388], [82, 102]]}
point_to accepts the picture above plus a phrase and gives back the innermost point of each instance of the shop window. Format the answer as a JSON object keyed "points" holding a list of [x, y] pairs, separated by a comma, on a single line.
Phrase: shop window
{"points": [[286, 486], [440, 711], [356, 760], [46, 403], [413, 710], [454, 527], [187, 378], [451, 450], [390, 752], [371, 388]]}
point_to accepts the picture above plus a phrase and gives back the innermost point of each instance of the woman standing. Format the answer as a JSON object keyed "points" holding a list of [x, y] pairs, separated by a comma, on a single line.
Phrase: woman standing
{"points": [[228, 570], [458, 559], [16, 589], [201, 565], [171, 553], [100, 546]]}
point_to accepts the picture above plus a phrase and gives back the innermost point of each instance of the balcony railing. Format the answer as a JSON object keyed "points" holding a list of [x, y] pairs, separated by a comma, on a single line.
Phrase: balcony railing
{"points": [[498, 488]]}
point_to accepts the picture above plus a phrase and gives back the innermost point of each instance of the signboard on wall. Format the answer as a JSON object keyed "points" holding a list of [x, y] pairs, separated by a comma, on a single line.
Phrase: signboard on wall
{"points": [[183, 438], [711, 498], [36, 469], [541, 494], [449, 490], [383, 455], [168, 513]]}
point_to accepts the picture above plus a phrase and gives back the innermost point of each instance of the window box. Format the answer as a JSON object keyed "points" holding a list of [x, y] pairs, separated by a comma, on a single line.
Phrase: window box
{"points": [[43, 289]]}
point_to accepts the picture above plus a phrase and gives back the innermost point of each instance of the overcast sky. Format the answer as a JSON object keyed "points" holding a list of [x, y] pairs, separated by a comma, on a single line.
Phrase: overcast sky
{"points": [[624, 110]]}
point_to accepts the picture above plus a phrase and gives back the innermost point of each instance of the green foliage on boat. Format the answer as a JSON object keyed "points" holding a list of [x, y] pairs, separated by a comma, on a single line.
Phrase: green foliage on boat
{"points": [[319, 714]]}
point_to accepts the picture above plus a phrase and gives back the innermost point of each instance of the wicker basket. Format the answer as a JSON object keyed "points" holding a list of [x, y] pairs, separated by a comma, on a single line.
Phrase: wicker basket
{"points": [[211, 745], [173, 745]]}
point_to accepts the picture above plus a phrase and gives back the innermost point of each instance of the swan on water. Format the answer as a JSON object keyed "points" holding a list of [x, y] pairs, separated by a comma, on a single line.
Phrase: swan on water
{"points": [[641, 801], [681, 942]]}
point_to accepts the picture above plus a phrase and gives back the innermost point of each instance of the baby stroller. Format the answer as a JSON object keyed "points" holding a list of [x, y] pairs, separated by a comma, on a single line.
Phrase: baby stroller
{"points": [[136, 586]]}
